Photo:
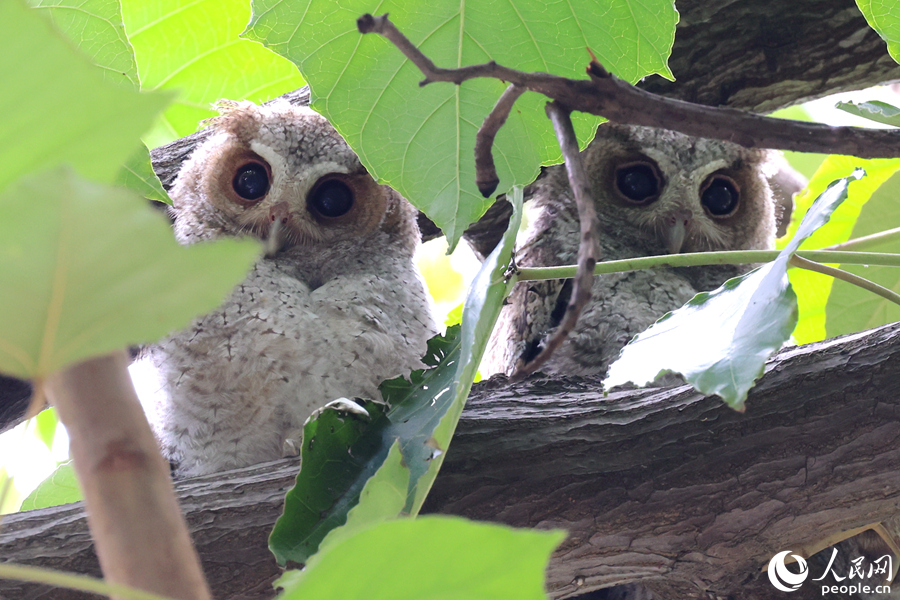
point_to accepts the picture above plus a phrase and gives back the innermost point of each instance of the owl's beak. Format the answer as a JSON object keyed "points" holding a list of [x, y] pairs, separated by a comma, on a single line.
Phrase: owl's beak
{"points": [[279, 215], [675, 230]]}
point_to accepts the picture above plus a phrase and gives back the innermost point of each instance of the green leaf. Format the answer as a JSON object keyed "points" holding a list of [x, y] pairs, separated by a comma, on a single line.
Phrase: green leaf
{"points": [[339, 460], [341, 453], [87, 269], [96, 126], [884, 17], [46, 423], [137, 174], [874, 110], [851, 309], [720, 340], [420, 140], [446, 558], [96, 27], [61, 487], [382, 498], [813, 289], [193, 47], [338, 456]]}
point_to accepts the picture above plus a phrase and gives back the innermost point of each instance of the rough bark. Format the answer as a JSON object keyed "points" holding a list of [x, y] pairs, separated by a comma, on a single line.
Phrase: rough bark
{"points": [[762, 56], [663, 486], [755, 56]]}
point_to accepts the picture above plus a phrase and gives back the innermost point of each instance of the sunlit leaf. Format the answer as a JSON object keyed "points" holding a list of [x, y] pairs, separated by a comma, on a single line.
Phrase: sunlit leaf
{"points": [[193, 47], [46, 423], [813, 289], [61, 487], [420, 140], [96, 27], [851, 309], [720, 340], [874, 110], [61, 109], [137, 174], [430, 557], [87, 269], [884, 17]]}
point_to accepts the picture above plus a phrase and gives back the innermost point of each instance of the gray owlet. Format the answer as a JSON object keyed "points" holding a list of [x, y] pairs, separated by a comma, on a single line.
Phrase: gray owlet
{"points": [[656, 192], [335, 307]]}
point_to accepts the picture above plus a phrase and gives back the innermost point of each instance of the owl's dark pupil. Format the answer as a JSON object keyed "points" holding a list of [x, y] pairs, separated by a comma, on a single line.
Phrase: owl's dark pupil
{"points": [[251, 182], [637, 182], [720, 197], [333, 198]]}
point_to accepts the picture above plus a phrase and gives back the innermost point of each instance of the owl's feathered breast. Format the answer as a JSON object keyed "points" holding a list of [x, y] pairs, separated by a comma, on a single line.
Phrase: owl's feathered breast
{"points": [[335, 307]]}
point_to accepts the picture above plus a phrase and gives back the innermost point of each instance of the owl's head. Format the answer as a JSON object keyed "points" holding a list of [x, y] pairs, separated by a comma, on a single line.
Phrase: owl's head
{"points": [[282, 174], [681, 194]]}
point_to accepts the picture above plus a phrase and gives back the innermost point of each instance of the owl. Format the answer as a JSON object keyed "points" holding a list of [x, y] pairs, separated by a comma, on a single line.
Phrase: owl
{"points": [[334, 307], [656, 192]]}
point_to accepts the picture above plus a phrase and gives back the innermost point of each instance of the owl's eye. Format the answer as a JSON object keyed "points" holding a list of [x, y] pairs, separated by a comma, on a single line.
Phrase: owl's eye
{"points": [[332, 198], [720, 195], [638, 182], [251, 181]]}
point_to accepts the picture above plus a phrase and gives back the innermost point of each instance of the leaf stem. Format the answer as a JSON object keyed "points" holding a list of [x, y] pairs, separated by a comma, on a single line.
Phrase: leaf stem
{"points": [[856, 280], [72, 581], [697, 259], [867, 241]]}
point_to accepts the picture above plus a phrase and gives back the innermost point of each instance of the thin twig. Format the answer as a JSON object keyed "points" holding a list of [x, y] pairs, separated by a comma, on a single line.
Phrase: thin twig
{"points": [[606, 95], [867, 241], [699, 259], [588, 248], [845, 276], [485, 173]]}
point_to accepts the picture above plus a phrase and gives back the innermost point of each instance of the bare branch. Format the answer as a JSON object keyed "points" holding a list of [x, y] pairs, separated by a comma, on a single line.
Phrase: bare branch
{"points": [[485, 173], [608, 96], [588, 248]]}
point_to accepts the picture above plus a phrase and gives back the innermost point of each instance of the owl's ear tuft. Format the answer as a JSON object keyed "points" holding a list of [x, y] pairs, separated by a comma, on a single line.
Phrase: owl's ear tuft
{"points": [[785, 182], [241, 119]]}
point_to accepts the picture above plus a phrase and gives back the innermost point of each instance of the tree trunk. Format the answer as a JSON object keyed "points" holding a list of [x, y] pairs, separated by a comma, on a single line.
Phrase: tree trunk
{"points": [[663, 486]]}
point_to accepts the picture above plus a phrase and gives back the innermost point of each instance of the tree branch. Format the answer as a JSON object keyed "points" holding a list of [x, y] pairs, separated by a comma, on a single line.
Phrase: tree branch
{"points": [[663, 486], [608, 96], [140, 535], [588, 245]]}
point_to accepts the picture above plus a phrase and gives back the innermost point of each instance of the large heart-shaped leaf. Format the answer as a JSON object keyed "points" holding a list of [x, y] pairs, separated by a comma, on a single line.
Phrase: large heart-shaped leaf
{"points": [[720, 341], [430, 557], [96, 27], [96, 128], [884, 17], [87, 269], [193, 47], [421, 140]]}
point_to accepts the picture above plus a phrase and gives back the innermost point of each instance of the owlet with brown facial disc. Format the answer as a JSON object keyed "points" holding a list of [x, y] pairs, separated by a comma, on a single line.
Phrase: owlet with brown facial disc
{"points": [[656, 192], [335, 307]]}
